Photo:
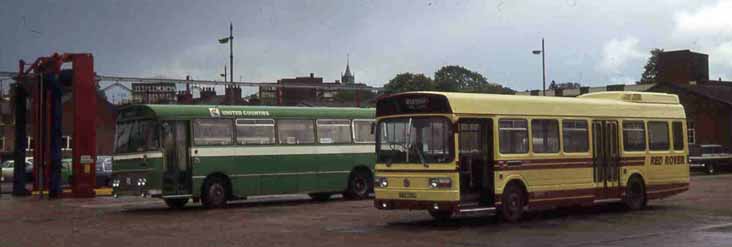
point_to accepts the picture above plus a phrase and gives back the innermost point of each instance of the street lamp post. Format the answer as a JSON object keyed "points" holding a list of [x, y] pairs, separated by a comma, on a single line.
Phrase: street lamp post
{"points": [[543, 67], [230, 40]]}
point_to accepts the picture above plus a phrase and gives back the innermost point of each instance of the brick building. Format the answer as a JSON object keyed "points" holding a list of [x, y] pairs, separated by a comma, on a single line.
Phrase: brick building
{"points": [[154, 93]]}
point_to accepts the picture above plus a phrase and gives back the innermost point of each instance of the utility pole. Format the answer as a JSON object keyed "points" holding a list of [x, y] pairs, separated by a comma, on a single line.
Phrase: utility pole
{"points": [[543, 67], [231, 50]]}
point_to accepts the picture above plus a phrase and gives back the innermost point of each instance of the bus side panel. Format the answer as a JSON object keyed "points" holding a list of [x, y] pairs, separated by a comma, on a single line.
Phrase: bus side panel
{"points": [[334, 171]]}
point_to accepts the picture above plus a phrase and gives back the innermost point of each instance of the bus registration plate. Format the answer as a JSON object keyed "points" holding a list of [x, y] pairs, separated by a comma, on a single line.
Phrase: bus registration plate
{"points": [[407, 195]]}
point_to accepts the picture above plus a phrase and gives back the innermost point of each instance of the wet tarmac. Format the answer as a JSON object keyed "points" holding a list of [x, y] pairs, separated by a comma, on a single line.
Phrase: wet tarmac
{"points": [[700, 217]]}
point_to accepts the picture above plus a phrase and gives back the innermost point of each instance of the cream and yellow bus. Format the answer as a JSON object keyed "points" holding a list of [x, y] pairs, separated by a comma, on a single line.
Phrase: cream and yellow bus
{"points": [[451, 153]]}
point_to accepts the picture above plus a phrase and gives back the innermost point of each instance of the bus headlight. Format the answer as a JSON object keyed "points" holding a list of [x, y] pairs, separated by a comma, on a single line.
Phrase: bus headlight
{"points": [[381, 182], [141, 181], [440, 183], [115, 182]]}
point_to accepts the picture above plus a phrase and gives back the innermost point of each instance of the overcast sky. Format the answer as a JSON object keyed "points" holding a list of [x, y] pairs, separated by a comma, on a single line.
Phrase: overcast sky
{"points": [[591, 42]]}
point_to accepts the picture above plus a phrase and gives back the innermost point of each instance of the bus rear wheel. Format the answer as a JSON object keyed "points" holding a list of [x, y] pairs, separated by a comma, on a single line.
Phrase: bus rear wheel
{"points": [[214, 193], [176, 203], [359, 185], [635, 194], [513, 202]]}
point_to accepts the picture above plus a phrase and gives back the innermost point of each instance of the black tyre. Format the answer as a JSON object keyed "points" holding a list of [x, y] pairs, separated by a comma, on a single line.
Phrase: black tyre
{"points": [[320, 196], [359, 185], [635, 194], [710, 168], [513, 202], [176, 203], [214, 194], [440, 215]]}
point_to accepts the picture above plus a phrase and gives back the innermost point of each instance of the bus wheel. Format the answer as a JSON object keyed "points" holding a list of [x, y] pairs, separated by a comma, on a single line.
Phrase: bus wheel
{"points": [[635, 194], [513, 203], [440, 215], [320, 196], [176, 203], [214, 193], [358, 185], [710, 168]]}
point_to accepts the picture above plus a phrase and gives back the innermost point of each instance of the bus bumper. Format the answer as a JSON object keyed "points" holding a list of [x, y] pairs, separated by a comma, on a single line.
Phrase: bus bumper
{"points": [[415, 205], [417, 199]]}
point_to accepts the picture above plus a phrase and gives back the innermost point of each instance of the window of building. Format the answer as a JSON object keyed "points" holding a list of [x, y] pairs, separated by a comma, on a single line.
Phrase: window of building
{"points": [[575, 136], [333, 131], [658, 135], [65, 143], [2, 143], [545, 135], [296, 131], [362, 131], [634, 136], [213, 132], [691, 132], [255, 131], [678, 133], [513, 136]]}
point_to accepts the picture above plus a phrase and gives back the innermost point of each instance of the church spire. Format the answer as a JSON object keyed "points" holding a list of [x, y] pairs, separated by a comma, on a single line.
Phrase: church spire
{"points": [[348, 77]]}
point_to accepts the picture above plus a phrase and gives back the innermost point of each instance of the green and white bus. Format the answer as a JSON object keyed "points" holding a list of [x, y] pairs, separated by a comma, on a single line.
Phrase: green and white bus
{"points": [[214, 154]]}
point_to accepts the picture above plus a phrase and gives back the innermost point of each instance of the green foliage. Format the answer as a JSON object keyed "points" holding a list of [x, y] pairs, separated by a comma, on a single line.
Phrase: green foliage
{"points": [[566, 85], [455, 78], [409, 82], [650, 72]]}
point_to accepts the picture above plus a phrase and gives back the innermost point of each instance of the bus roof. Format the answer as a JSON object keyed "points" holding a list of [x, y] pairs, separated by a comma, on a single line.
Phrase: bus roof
{"points": [[604, 104], [182, 112]]}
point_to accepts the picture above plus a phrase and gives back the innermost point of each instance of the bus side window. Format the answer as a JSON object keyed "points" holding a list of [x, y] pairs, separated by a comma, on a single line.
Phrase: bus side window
{"points": [[634, 136], [213, 132], [513, 136], [658, 135], [575, 136], [255, 131], [363, 131], [678, 133], [294, 131], [334, 131], [545, 135]]}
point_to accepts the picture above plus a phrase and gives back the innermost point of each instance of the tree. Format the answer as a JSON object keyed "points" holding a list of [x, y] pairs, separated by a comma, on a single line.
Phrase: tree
{"points": [[455, 78], [650, 72], [409, 82]]}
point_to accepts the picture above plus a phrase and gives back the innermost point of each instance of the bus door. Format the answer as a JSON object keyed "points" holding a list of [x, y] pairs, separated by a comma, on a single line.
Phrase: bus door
{"points": [[605, 159], [177, 171], [476, 163]]}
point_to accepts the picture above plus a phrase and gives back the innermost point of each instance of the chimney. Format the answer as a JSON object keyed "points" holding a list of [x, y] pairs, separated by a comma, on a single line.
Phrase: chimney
{"points": [[207, 93], [232, 95]]}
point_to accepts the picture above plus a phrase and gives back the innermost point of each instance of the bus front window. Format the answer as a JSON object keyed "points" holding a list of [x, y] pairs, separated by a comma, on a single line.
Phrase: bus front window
{"points": [[137, 136], [414, 140]]}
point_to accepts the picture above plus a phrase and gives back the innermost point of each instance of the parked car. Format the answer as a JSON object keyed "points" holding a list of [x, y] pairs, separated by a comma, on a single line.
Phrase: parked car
{"points": [[710, 157], [8, 170], [104, 171]]}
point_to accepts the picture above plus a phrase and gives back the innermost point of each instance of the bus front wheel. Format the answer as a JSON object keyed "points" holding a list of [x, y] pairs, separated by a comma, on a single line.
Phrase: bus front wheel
{"points": [[358, 185], [176, 203], [214, 193], [513, 202]]}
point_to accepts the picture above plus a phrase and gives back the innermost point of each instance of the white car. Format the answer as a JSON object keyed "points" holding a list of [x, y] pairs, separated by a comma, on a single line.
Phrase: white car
{"points": [[8, 170]]}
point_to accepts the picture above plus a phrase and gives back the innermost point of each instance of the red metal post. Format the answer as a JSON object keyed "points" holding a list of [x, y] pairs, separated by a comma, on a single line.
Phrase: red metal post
{"points": [[84, 149]]}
